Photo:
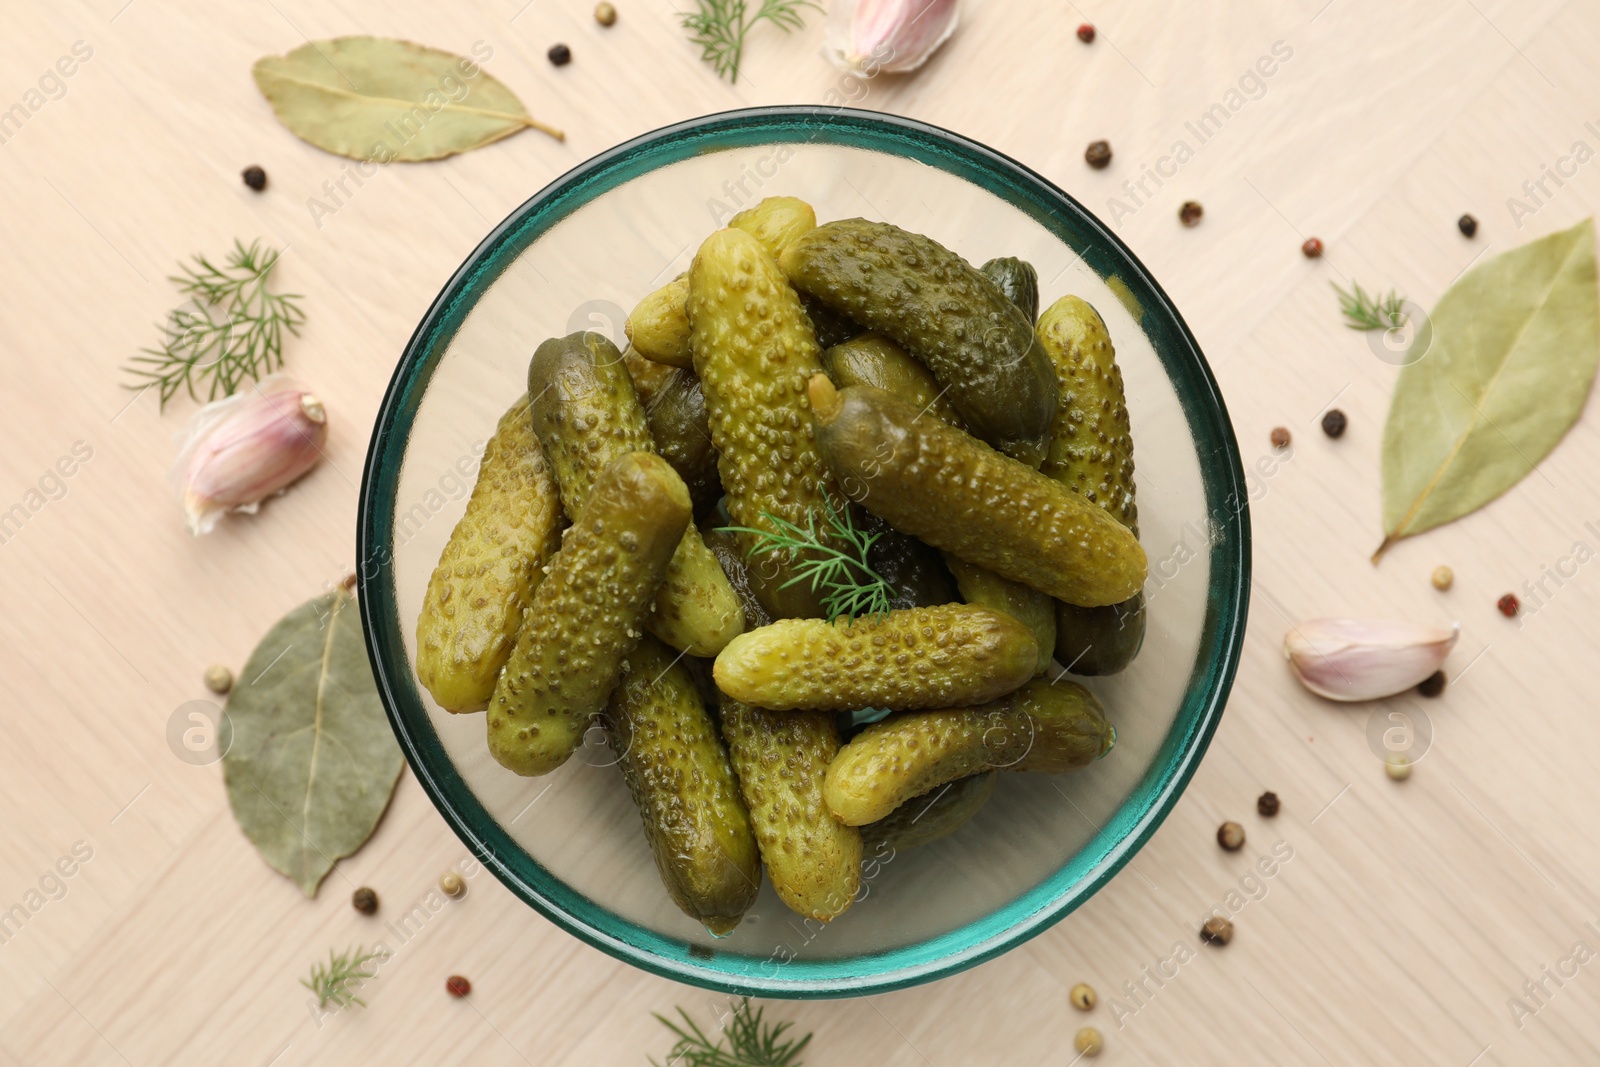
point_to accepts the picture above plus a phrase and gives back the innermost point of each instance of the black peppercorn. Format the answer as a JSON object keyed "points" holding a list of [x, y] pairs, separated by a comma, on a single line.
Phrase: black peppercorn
{"points": [[1432, 685], [1468, 225], [364, 900], [1267, 804], [254, 177], [1333, 422], [1098, 154], [1190, 213], [1216, 931], [560, 55]]}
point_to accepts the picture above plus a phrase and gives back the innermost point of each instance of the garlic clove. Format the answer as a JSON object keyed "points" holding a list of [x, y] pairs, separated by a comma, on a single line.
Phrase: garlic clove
{"points": [[1365, 659], [241, 449], [888, 36]]}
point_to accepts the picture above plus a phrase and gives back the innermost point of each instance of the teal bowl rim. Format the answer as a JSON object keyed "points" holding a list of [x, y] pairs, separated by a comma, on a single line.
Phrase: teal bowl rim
{"points": [[1037, 908]]}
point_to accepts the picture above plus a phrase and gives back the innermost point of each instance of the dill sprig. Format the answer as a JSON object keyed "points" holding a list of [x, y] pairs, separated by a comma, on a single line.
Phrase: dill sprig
{"points": [[719, 27], [1364, 311], [231, 329], [834, 561], [333, 980], [751, 1042]]}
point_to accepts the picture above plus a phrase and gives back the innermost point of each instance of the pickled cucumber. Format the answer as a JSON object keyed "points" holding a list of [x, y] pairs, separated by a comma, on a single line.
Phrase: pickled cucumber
{"points": [[954, 492], [744, 578], [1035, 610], [673, 760], [659, 326], [1044, 727], [873, 359], [944, 312], [489, 569], [586, 414], [649, 377], [939, 657], [781, 760], [682, 433], [1018, 280], [931, 817], [915, 572], [754, 352], [830, 327], [586, 615], [1091, 451]]}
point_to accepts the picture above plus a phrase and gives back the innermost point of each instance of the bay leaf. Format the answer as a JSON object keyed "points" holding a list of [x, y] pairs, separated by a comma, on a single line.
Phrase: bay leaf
{"points": [[1515, 342], [385, 100], [312, 763]]}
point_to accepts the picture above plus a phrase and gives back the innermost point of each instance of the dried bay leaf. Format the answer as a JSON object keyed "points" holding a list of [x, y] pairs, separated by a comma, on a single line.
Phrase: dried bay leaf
{"points": [[313, 762], [1515, 342], [386, 100]]}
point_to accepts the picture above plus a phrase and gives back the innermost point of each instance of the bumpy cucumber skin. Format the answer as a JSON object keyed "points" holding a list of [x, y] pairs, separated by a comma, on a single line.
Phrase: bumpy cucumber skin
{"points": [[944, 312], [490, 568], [954, 492], [781, 760], [682, 433], [587, 613], [669, 751], [1018, 280], [777, 222], [1092, 452], [586, 414], [931, 817], [1091, 448], [1043, 727], [658, 329], [939, 657], [1035, 610], [649, 377], [875, 360], [754, 352], [659, 326]]}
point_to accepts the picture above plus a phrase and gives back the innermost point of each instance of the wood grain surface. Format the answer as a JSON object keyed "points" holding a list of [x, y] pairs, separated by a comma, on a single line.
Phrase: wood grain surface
{"points": [[1408, 917]]}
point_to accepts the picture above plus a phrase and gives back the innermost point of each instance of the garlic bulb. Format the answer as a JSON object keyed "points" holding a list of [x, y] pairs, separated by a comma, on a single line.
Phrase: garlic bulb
{"points": [[887, 36], [241, 449], [1365, 659]]}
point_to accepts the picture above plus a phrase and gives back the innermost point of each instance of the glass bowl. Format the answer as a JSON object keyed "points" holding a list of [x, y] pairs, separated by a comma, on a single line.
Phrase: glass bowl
{"points": [[576, 256]]}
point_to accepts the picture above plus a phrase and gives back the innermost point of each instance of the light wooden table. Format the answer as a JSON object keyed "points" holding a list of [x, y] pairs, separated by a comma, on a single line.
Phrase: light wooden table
{"points": [[1409, 913]]}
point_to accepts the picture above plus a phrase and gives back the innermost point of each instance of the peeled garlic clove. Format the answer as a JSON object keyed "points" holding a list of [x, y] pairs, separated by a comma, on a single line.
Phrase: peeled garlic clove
{"points": [[1365, 659], [240, 450], [887, 36]]}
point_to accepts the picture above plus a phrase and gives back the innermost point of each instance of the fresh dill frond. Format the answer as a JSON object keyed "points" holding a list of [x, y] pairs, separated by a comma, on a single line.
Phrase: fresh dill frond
{"points": [[834, 561], [751, 1042], [1363, 311], [231, 329], [333, 980], [719, 27]]}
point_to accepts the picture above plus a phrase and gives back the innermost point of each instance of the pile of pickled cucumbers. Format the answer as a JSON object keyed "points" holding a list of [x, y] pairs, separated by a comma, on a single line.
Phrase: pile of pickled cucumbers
{"points": [[628, 556]]}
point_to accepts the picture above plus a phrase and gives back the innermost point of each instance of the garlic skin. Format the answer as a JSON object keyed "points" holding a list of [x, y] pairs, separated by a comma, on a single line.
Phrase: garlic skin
{"points": [[241, 449], [887, 36], [1365, 659]]}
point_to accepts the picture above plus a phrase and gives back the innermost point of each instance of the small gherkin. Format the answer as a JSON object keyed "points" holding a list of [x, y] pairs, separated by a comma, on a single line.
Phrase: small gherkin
{"points": [[587, 614], [781, 760], [1043, 727], [489, 569], [932, 816], [944, 656], [1092, 454], [673, 760], [754, 351]]}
